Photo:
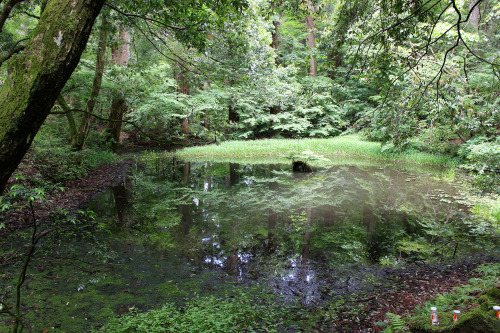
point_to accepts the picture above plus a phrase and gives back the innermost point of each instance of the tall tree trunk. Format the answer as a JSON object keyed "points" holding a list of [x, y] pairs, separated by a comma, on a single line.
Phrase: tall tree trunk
{"points": [[204, 121], [274, 35], [119, 107], [116, 114], [122, 205], [185, 209], [84, 128], [233, 116], [335, 61], [306, 247], [183, 89], [69, 116], [311, 27], [274, 39], [37, 76], [475, 15], [121, 54], [276, 25]]}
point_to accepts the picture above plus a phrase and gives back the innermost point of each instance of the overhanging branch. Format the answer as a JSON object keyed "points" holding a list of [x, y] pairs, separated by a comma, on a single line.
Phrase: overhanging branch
{"points": [[14, 50]]}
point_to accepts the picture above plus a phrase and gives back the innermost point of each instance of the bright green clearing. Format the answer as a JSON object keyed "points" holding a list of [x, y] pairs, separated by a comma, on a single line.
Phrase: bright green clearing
{"points": [[282, 149]]}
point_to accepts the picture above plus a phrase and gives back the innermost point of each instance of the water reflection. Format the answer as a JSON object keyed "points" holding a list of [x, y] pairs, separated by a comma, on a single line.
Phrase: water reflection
{"points": [[296, 232]]}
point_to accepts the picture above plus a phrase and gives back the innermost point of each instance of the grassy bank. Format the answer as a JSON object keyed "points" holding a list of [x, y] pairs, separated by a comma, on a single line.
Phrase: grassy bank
{"points": [[352, 145]]}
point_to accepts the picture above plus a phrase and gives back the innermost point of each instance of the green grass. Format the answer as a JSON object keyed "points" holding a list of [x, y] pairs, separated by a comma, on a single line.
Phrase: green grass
{"points": [[488, 208], [277, 149], [246, 310]]}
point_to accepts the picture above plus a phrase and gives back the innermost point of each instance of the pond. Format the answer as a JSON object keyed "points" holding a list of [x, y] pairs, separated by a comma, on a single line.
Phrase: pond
{"points": [[181, 229]]}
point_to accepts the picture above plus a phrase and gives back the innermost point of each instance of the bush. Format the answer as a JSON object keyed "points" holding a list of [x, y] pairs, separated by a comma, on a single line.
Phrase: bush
{"points": [[53, 156], [481, 156], [238, 313]]}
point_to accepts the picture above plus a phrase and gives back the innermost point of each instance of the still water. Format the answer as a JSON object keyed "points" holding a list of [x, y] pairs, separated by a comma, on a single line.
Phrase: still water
{"points": [[179, 229], [306, 235]]}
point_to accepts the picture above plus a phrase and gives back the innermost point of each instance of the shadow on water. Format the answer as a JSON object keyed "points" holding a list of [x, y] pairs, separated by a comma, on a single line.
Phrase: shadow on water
{"points": [[180, 229]]}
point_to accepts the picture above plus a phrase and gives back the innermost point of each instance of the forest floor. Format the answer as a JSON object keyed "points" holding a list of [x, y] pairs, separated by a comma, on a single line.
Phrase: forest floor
{"points": [[76, 195], [408, 288]]}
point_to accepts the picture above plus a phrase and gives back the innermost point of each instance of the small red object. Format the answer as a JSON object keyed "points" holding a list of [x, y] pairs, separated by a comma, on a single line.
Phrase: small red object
{"points": [[497, 311], [434, 317], [455, 315]]}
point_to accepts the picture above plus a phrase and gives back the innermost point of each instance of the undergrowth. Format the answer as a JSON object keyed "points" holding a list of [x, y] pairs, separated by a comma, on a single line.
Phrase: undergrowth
{"points": [[245, 310], [57, 162], [463, 298]]}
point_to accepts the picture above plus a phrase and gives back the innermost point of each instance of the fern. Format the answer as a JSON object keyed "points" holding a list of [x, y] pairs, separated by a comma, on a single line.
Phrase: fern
{"points": [[397, 324]]}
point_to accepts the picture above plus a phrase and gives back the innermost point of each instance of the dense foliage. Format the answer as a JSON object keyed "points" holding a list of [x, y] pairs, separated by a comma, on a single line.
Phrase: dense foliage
{"points": [[414, 75]]}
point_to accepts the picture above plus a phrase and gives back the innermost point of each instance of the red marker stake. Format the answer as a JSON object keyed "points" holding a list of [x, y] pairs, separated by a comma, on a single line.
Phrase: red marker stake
{"points": [[434, 317], [455, 315], [497, 311]]}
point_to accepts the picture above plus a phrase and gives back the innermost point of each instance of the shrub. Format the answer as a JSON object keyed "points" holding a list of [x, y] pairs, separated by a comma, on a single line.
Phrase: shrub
{"points": [[481, 156]]}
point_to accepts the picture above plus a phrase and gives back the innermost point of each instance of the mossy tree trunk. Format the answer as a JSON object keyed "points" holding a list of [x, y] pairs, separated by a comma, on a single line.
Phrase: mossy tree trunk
{"points": [[69, 116], [37, 76], [116, 115], [83, 130]]}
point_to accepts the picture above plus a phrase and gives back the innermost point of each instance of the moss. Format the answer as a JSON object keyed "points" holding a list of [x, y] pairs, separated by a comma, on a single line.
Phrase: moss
{"points": [[477, 321], [493, 293], [480, 319], [489, 298]]}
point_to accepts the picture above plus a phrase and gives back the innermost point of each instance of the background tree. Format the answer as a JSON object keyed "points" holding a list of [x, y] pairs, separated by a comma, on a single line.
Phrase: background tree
{"points": [[121, 55], [84, 128]]}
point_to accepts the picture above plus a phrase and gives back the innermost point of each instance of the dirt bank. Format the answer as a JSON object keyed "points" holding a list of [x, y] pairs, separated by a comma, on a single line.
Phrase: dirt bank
{"points": [[76, 195]]}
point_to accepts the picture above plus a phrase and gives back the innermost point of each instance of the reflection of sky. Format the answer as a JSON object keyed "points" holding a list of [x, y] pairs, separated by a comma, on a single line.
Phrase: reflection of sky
{"points": [[245, 257], [298, 272], [219, 260], [215, 261], [211, 239]]}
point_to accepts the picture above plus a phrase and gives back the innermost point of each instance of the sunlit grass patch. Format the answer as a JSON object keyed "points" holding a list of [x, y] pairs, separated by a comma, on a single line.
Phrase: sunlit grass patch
{"points": [[488, 208], [352, 145]]}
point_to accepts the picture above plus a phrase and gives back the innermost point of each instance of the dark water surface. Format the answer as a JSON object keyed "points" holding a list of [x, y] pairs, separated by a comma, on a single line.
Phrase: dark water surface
{"points": [[180, 229], [304, 234]]}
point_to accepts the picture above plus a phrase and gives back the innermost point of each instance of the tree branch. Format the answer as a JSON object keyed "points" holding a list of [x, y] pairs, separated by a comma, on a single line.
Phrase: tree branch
{"points": [[15, 49], [145, 18], [394, 25], [4, 15], [30, 15], [426, 47], [182, 61]]}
